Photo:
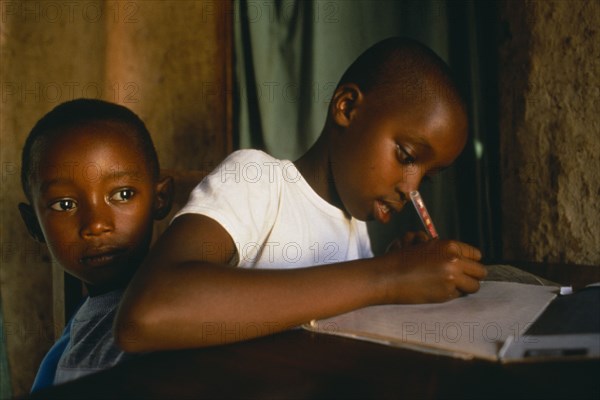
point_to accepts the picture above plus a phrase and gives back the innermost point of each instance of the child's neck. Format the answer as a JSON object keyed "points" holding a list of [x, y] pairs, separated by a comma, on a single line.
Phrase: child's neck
{"points": [[120, 283], [315, 167]]}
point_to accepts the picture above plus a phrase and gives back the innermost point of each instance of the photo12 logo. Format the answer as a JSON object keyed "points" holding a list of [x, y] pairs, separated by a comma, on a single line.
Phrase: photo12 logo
{"points": [[58, 92], [52, 12]]}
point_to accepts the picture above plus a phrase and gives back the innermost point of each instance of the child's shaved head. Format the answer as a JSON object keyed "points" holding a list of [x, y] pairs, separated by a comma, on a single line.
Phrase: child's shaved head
{"points": [[81, 112], [395, 118], [406, 70]]}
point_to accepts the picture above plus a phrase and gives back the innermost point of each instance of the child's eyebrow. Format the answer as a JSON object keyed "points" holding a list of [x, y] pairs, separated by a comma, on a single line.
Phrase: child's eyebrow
{"points": [[56, 181], [135, 174]]}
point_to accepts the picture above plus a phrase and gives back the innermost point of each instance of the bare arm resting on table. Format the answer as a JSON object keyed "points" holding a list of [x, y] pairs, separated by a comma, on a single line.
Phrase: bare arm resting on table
{"points": [[185, 296]]}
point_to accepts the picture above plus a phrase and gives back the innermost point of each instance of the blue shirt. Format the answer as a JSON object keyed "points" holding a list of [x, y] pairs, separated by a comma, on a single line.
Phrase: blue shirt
{"points": [[47, 370]]}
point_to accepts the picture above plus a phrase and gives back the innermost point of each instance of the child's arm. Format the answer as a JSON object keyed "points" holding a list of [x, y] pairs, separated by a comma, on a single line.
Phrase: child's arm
{"points": [[185, 296]]}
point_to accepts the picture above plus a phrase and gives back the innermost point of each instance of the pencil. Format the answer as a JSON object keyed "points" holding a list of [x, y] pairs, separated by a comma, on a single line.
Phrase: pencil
{"points": [[417, 201]]}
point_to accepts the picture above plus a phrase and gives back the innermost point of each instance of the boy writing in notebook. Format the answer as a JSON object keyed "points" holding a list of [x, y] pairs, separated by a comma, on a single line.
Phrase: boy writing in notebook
{"points": [[90, 175], [265, 244]]}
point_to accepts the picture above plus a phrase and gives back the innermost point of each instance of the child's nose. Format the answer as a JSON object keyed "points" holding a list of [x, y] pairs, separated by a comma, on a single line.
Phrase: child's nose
{"points": [[97, 220], [410, 180]]}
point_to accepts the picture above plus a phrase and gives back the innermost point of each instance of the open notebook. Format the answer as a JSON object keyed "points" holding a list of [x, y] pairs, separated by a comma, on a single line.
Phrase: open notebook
{"points": [[473, 326]]}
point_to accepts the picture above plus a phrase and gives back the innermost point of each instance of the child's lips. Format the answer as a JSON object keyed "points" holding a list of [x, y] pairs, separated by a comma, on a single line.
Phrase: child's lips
{"points": [[101, 257], [383, 212], [385, 208]]}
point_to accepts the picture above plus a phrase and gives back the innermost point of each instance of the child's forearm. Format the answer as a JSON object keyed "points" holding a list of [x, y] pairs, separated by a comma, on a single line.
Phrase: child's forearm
{"points": [[201, 304]]}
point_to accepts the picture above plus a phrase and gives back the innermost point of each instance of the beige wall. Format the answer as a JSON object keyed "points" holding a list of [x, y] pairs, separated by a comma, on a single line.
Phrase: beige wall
{"points": [[550, 131], [169, 61]]}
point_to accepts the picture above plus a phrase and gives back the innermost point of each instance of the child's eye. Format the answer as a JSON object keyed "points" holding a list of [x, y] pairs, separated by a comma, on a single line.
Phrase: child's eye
{"points": [[122, 195], [404, 156], [63, 205]]}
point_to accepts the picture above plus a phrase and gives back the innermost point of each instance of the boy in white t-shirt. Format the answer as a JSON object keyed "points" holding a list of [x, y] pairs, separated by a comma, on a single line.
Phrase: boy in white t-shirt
{"points": [[274, 217], [395, 117]]}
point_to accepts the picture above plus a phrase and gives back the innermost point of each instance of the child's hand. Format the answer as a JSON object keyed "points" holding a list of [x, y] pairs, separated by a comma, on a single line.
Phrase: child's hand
{"points": [[434, 271], [408, 239]]}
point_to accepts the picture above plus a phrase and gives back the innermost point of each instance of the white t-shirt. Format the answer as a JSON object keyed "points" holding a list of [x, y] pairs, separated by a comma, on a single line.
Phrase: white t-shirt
{"points": [[273, 215]]}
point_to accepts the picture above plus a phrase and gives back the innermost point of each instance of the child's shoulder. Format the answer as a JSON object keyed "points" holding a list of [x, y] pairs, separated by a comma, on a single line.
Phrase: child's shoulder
{"points": [[254, 166], [247, 166]]}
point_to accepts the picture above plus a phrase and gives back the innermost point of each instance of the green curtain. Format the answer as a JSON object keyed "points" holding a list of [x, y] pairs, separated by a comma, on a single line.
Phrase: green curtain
{"points": [[290, 54]]}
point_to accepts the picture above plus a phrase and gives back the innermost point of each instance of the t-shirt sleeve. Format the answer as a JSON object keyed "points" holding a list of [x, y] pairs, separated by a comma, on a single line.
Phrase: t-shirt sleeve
{"points": [[241, 195]]}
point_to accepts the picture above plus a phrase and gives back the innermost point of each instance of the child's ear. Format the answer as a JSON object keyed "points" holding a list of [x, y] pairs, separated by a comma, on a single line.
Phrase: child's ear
{"points": [[31, 222], [344, 103], [163, 200]]}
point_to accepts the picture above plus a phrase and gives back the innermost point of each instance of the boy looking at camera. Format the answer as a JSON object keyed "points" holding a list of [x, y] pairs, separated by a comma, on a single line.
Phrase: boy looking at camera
{"points": [[91, 177]]}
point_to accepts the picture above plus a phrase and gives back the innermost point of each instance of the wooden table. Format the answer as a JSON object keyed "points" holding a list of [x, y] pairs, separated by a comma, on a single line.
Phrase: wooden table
{"points": [[301, 364]]}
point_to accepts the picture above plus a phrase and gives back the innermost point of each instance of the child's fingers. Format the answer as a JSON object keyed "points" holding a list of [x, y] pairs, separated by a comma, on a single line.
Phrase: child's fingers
{"points": [[474, 269], [469, 280], [421, 237], [463, 250], [411, 238], [467, 284], [407, 239]]}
